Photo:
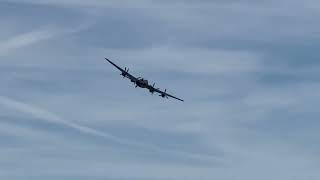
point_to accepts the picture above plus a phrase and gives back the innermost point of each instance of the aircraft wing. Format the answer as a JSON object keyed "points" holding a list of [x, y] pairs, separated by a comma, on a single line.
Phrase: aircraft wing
{"points": [[163, 93], [124, 72]]}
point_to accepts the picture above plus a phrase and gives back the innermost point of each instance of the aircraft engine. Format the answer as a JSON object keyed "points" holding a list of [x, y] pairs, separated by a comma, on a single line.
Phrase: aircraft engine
{"points": [[152, 90], [124, 74], [164, 95]]}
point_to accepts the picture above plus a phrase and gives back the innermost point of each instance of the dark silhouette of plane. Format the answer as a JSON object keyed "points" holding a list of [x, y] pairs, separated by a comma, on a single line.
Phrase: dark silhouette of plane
{"points": [[142, 83]]}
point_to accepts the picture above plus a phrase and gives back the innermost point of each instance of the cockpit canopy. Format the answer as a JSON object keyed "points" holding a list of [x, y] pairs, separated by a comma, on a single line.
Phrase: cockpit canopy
{"points": [[144, 81]]}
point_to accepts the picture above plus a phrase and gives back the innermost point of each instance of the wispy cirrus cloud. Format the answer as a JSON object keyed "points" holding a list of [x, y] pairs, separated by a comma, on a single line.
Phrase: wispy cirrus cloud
{"points": [[45, 115], [27, 39]]}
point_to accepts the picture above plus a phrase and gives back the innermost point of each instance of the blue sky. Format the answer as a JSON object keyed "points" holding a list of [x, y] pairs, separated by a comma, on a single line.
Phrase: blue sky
{"points": [[249, 72]]}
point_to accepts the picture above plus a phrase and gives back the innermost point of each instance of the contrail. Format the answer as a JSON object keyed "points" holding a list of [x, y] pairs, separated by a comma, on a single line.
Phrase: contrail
{"points": [[40, 113]]}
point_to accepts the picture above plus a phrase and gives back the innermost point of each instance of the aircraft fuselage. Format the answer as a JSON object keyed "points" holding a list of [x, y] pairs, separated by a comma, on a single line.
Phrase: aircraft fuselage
{"points": [[142, 83]]}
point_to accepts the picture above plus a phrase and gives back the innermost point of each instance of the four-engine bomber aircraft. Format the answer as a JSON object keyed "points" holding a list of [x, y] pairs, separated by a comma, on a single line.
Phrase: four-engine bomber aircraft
{"points": [[142, 83]]}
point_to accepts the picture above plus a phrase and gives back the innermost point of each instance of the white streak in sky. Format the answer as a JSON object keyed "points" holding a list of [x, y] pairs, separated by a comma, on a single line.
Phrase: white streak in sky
{"points": [[40, 113], [26, 39], [38, 35]]}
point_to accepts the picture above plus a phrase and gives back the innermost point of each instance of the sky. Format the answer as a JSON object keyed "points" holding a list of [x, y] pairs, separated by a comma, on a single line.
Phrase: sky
{"points": [[247, 70]]}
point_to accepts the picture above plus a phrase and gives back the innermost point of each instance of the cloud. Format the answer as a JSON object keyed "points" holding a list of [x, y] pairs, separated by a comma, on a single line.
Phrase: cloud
{"points": [[190, 60], [93, 3], [27, 39], [53, 118]]}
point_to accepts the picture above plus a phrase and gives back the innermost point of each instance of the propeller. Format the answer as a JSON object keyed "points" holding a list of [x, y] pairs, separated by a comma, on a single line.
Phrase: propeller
{"points": [[152, 90], [164, 95], [165, 90], [124, 74]]}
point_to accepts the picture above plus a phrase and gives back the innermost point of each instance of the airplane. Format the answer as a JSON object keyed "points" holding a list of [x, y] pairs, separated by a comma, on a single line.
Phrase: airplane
{"points": [[142, 83]]}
